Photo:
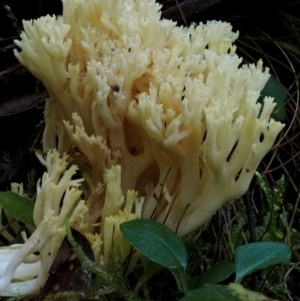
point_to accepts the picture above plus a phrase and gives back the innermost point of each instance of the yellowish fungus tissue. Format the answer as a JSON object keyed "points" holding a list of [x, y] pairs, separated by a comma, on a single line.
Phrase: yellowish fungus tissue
{"points": [[149, 109]]}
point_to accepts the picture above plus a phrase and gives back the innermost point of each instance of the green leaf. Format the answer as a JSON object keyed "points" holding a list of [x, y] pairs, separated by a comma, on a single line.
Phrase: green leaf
{"points": [[211, 293], [214, 275], [255, 256], [232, 292], [156, 241], [20, 207], [274, 89]]}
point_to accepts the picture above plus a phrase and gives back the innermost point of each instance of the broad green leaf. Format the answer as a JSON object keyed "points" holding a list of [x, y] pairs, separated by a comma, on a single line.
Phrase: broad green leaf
{"points": [[214, 275], [274, 89], [232, 292], [255, 256], [156, 241], [20, 207]]}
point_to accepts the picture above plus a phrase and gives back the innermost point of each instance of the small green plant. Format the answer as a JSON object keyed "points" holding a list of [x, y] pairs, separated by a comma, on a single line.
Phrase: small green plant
{"points": [[161, 245], [162, 248]]}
